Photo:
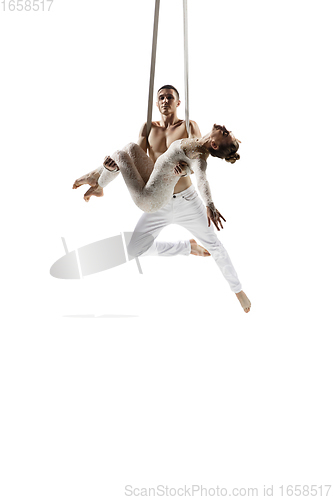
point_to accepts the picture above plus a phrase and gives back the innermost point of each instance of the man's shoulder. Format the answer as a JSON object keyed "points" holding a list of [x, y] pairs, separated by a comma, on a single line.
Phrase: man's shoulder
{"points": [[194, 124], [153, 124], [194, 127], [143, 130]]}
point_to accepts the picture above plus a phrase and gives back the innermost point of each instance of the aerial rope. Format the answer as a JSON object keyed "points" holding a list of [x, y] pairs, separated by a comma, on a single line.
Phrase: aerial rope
{"points": [[187, 116], [153, 64]]}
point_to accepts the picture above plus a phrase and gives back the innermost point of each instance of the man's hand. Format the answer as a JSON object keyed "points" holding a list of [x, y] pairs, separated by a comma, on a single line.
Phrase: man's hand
{"points": [[178, 169], [215, 217], [110, 164]]}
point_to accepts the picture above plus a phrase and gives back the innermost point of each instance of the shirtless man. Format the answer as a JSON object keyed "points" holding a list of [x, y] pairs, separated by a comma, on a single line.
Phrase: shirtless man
{"points": [[183, 209]]}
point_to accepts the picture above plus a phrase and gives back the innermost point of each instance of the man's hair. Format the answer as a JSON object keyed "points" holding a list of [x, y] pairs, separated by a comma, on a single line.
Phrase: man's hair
{"points": [[169, 87]]}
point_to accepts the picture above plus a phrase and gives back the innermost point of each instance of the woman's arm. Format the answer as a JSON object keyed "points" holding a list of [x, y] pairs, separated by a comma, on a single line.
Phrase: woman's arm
{"points": [[200, 166]]}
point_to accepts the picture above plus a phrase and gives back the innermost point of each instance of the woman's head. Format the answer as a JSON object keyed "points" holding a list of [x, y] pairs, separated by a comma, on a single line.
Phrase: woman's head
{"points": [[223, 144]]}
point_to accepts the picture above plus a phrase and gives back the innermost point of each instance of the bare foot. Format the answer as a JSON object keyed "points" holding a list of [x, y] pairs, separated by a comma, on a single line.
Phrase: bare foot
{"points": [[90, 179], [93, 191], [244, 301], [198, 250]]}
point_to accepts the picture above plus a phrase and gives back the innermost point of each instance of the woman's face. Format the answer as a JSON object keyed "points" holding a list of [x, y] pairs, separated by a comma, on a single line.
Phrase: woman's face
{"points": [[220, 135]]}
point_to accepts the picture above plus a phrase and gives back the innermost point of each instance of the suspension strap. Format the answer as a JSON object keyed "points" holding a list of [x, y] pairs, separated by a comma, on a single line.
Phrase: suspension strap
{"points": [[152, 68], [153, 64], [187, 119]]}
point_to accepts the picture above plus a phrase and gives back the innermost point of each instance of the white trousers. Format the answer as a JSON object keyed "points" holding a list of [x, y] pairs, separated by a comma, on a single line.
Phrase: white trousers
{"points": [[185, 209]]}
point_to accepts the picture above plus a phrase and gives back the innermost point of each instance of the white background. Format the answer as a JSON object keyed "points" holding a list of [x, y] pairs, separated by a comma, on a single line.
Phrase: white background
{"points": [[127, 379]]}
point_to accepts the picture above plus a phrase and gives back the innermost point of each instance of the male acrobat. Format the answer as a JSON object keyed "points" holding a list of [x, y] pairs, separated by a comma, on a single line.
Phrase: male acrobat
{"points": [[185, 207]]}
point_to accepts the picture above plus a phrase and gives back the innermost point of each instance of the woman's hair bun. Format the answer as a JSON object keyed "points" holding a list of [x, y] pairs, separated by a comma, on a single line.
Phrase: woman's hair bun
{"points": [[232, 158]]}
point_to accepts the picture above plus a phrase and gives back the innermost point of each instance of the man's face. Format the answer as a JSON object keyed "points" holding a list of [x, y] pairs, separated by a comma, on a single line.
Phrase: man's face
{"points": [[167, 101]]}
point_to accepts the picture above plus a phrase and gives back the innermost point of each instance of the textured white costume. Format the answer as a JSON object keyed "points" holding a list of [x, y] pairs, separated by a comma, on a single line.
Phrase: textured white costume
{"points": [[162, 207], [152, 194]]}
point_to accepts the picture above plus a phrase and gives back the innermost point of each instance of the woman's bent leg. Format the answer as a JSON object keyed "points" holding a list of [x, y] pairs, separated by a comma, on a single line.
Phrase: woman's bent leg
{"points": [[107, 176], [157, 192], [141, 160], [91, 178]]}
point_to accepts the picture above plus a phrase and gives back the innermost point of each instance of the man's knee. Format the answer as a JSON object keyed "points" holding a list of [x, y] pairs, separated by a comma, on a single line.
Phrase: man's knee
{"points": [[139, 244]]}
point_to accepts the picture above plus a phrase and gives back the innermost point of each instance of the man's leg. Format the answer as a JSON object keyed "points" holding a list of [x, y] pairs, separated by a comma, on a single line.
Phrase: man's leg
{"points": [[149, 226], [190, 213]]}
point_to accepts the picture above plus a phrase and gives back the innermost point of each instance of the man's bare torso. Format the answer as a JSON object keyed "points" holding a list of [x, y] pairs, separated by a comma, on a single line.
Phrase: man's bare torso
{"points": [[161, 137]]}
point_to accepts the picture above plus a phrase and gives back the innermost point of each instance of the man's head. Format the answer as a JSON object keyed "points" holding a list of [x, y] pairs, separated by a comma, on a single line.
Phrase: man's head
{"points": [[169, 87], [167, 99]]}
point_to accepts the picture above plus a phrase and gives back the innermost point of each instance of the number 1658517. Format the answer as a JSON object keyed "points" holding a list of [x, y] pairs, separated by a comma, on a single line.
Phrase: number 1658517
{"points": [[26, 5]]}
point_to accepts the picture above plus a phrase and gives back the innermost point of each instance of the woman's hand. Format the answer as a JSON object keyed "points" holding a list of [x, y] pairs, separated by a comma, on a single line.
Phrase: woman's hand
{"points": [[215, 217]]}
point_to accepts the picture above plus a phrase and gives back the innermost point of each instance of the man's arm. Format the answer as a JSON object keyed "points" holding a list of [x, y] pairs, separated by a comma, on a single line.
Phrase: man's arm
{"points": [[194, 132], [194, 129], [143, 140]]}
